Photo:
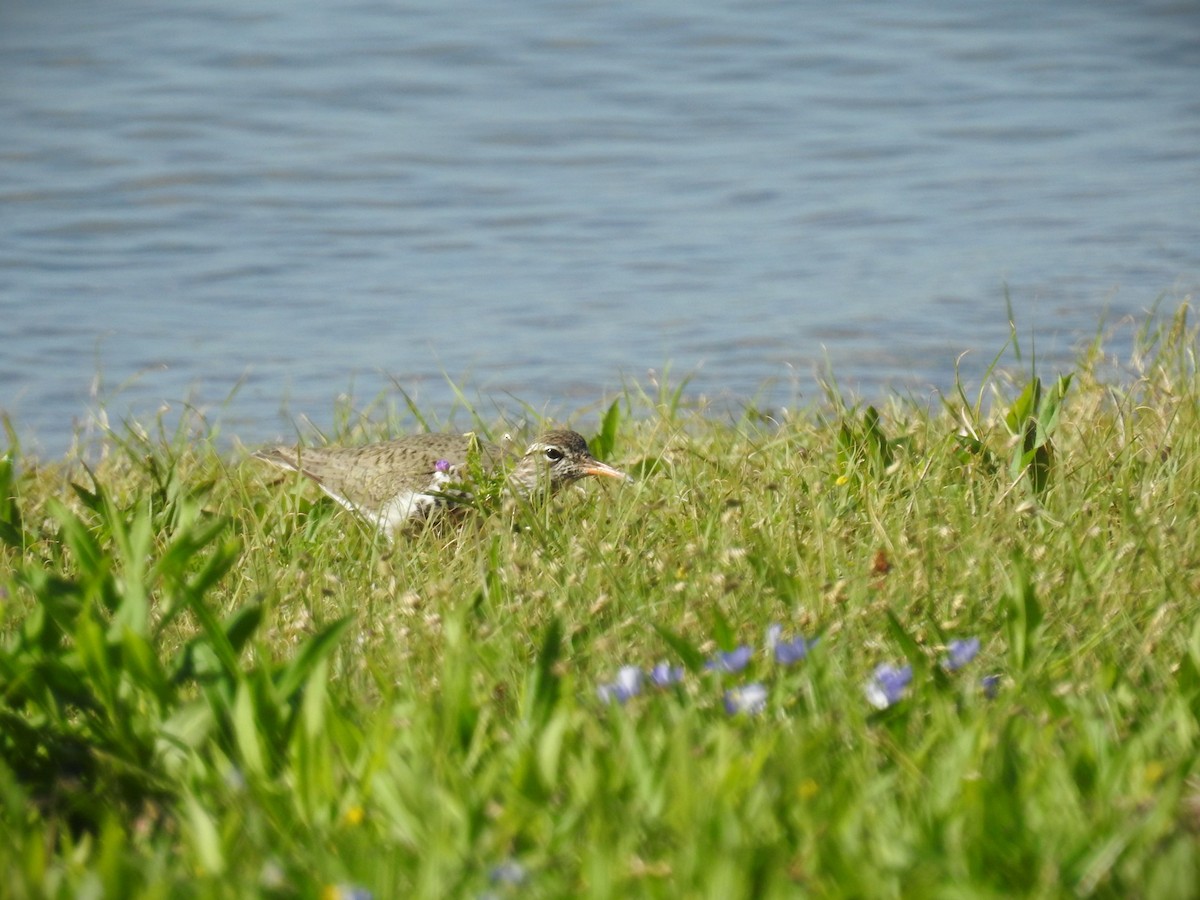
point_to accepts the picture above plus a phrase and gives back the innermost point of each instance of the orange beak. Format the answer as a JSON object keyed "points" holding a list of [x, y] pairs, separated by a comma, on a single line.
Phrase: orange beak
{"points": [[595, 467]]}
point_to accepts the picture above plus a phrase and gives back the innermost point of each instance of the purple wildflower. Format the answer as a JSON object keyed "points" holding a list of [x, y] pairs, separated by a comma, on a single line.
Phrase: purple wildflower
{"points": [[733, 661], [787, 652], [347, 892], [749, 698], [627, 684], [888, 685], [442, 465], [664, 675], [508, 872], [960, 653], [990, 685]]}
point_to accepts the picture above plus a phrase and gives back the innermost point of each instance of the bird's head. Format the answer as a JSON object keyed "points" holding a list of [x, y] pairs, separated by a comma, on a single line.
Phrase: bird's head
{"points": [[556, 459]]}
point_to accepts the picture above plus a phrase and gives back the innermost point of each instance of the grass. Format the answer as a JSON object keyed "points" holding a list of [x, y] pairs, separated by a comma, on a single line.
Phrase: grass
{"points": [[214, 682]]}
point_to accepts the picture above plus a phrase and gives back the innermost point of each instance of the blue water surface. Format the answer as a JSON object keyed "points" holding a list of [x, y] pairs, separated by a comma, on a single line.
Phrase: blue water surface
{"points": [[546, 200]]}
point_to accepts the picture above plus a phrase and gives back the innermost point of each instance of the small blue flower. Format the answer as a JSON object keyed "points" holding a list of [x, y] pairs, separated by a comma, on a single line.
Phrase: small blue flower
{"points": [[664, 675], [749, 698], [787, 652], [347, 892], [442, 465], [990, 685], [508, 872], [960, 653], [733, 661], [888, 685], [627, 684]]}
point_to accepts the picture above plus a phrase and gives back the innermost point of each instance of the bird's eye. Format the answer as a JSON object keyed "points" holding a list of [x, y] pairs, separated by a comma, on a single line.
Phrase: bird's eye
{"points": [[553, 454]]}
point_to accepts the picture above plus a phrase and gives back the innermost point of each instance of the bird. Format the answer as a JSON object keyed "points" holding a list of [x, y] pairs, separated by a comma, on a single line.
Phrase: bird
{"points": [[408, 480]]}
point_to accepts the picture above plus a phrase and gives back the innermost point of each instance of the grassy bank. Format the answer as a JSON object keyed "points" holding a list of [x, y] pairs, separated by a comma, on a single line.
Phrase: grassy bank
{"points": [[217, 683]]}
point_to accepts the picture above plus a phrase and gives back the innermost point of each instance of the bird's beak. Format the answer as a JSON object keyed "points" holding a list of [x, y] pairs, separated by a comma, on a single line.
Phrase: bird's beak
{"points": [[595, 467]]}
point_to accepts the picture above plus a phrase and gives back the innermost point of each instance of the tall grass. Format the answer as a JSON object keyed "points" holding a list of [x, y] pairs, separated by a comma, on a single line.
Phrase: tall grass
{"points": [[214, 682]]}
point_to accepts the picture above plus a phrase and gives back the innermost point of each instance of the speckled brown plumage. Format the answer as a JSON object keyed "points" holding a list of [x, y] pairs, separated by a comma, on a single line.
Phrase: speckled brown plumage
{"points": [[396, 481]]}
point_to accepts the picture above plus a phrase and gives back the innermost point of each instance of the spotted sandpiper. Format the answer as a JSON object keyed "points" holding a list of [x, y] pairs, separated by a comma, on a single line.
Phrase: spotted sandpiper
{"points": [[407, 479]]}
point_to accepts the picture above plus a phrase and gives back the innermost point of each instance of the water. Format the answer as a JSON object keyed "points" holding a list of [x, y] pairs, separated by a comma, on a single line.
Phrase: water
{"points": [[545, 199]]}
